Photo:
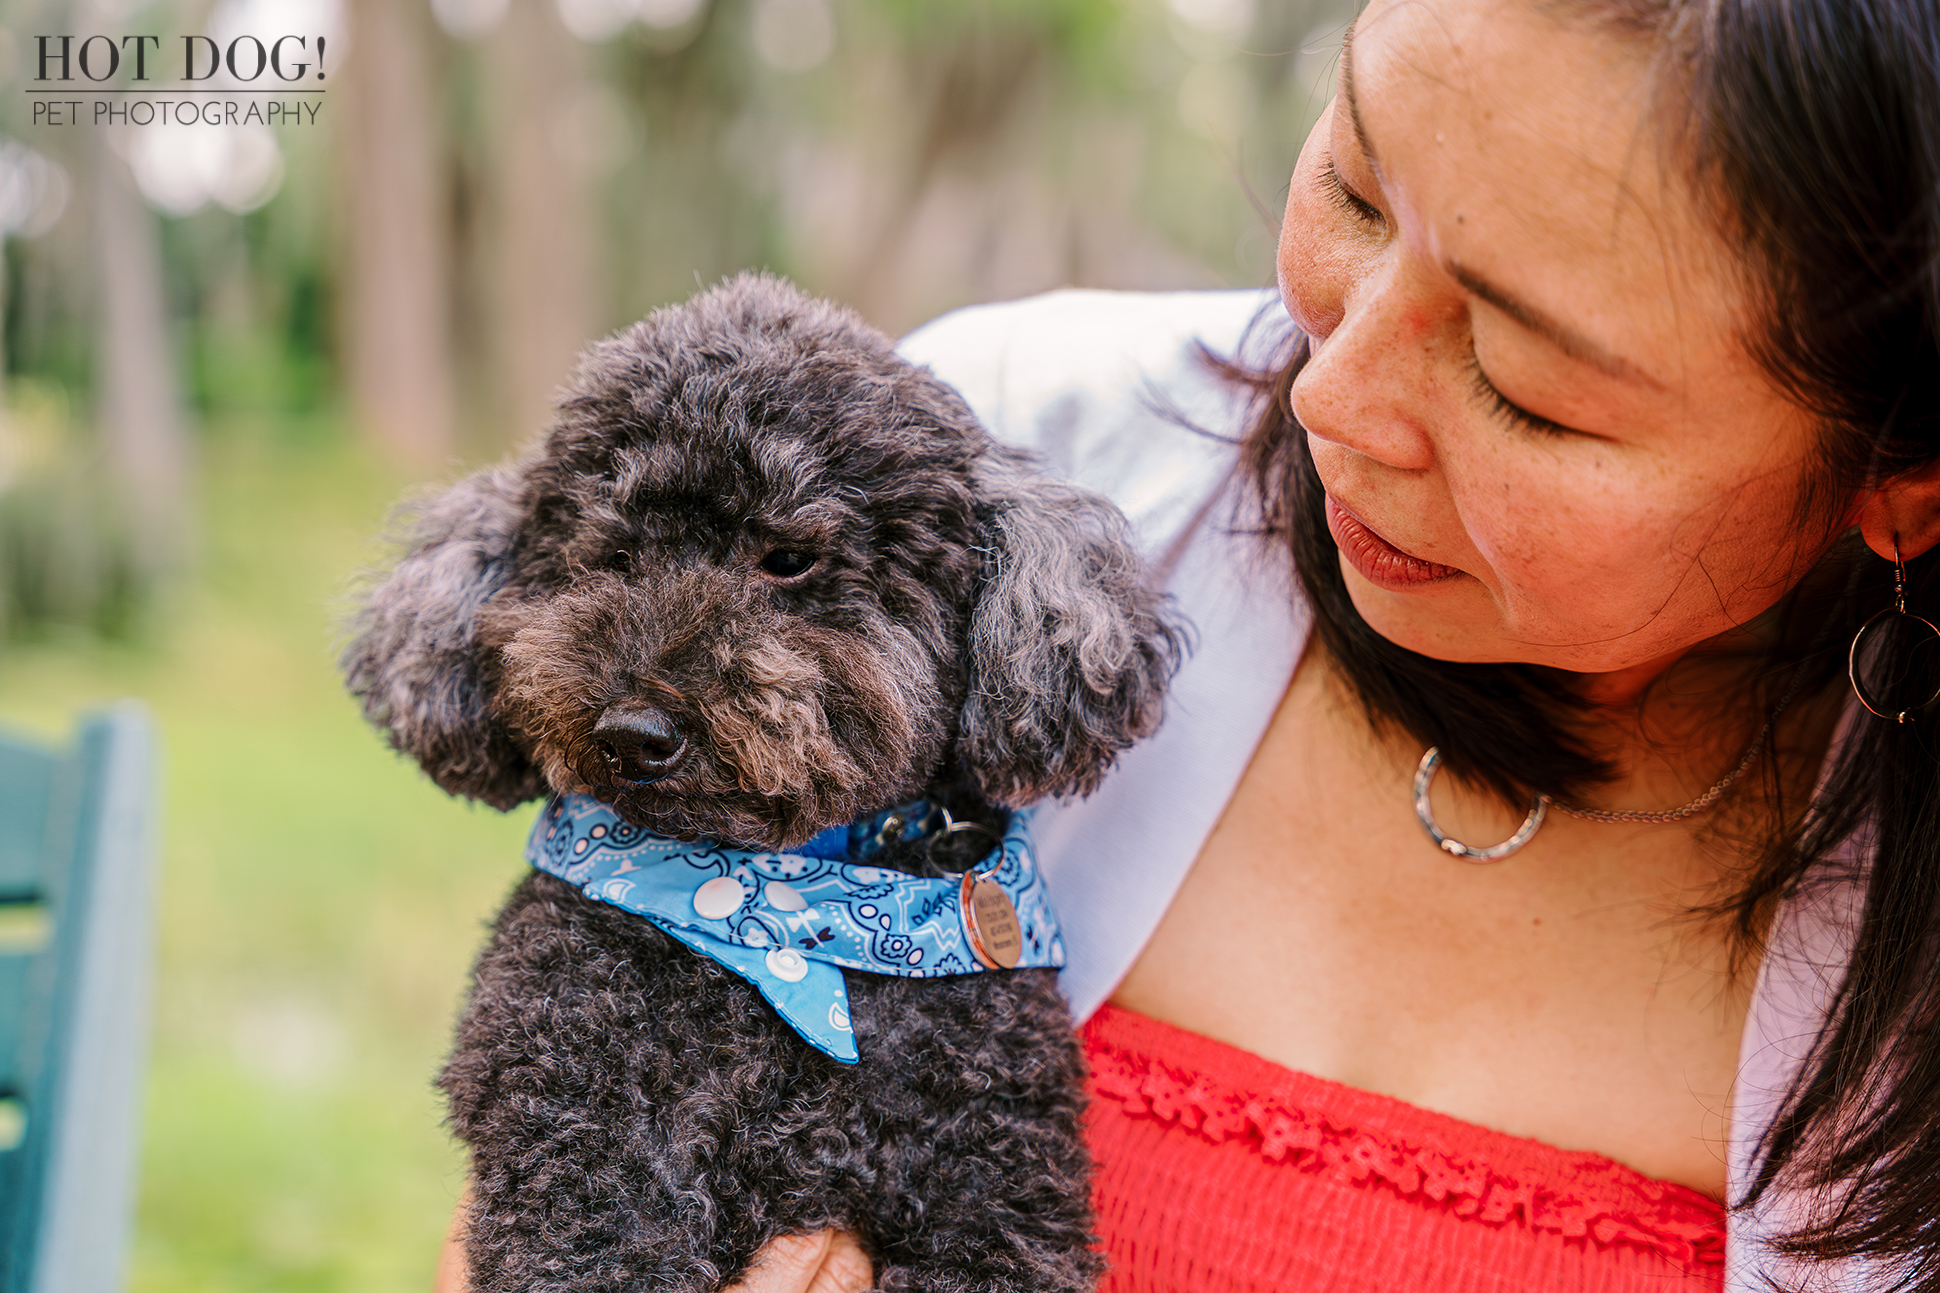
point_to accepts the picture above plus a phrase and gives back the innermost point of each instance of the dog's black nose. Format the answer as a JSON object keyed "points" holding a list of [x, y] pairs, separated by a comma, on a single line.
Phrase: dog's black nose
{"points": [[639, 745]]}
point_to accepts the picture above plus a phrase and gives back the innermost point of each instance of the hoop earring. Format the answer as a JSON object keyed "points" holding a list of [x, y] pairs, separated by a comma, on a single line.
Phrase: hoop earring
{"points": [[1897, 610]]}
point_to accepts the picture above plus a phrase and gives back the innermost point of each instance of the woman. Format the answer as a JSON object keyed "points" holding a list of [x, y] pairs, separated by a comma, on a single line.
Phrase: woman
{"points": [[1617, 402]]}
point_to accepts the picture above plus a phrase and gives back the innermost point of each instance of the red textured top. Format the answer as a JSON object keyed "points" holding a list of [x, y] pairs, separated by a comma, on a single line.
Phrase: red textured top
{"points": [[1221, 1172]]}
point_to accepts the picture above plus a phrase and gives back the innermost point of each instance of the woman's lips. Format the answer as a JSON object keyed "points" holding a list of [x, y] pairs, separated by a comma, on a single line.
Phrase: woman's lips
{"points": [[1379, 561]]}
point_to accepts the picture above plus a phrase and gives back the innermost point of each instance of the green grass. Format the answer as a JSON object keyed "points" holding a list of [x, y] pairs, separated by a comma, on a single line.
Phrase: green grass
{"points": [[320, 901]]}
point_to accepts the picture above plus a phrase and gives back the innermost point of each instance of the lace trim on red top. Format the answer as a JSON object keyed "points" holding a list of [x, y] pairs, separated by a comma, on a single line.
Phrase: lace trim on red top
{"points": [[1367, 1139]]}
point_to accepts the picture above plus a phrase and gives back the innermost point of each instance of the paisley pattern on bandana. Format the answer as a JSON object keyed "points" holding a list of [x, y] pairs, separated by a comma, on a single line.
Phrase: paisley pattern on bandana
{"points": [[789, 923]]}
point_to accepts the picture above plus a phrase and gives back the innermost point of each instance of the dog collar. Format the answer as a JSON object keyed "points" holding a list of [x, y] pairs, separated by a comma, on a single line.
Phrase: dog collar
{"points": [[790, 923]]}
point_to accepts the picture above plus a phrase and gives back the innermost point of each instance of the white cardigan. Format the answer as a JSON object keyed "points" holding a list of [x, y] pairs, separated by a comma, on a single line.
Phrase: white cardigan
{"points": [[1105, 385]]}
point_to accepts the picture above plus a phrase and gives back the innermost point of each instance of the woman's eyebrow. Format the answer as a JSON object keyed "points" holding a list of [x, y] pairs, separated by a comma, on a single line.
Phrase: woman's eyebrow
{"points": [[1353, 105], [1553, 330]]}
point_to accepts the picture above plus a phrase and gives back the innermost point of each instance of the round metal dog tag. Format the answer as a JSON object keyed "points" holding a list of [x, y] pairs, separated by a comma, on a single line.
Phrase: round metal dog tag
{"points": [[995, 936]]}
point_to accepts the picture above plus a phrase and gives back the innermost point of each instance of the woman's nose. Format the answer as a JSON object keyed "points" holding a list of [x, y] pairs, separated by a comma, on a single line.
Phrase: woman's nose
{"points": [[1367, 385]]}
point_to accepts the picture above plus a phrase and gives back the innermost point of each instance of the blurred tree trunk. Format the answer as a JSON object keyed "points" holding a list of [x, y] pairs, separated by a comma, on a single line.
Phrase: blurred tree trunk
{"points": [[540, 231], [969, 97], [397, 266], [137, 404]]}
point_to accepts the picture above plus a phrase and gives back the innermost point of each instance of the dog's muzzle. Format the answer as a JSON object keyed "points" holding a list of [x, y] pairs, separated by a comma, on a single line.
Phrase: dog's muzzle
{"points": [[640, 746]]}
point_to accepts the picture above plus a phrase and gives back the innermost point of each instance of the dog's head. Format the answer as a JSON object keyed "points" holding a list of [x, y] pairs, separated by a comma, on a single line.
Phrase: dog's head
{"points": [[761, 577]]}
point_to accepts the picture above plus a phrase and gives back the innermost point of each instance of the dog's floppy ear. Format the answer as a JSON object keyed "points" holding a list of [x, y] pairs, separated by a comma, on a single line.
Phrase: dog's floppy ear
{"points": [[416, 661], [1070, 650]]}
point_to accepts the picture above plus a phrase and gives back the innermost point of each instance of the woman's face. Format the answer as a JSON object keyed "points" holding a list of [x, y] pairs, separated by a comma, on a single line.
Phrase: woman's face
{"points": [[1529, 398]]}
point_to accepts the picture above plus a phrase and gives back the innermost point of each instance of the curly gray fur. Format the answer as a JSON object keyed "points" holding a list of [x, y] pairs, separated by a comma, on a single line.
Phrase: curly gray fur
{"points": [[1068, 654], [415, 661], [761, 577]]}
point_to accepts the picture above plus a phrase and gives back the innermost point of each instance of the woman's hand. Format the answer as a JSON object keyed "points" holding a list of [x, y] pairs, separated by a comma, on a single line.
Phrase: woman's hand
{"points": [[453, 1273], [827, 1261]]}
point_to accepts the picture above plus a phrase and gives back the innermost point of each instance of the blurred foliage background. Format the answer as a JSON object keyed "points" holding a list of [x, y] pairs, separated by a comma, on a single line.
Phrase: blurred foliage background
{"points": [[227, 349]]}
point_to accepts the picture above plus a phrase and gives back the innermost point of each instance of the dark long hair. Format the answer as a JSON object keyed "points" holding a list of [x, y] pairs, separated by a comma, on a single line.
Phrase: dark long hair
{"points": [[1818, 123]]}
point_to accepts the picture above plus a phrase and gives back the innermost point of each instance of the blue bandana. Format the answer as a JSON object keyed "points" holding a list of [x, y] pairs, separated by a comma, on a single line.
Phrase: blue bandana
{"points": [[789, 922]]}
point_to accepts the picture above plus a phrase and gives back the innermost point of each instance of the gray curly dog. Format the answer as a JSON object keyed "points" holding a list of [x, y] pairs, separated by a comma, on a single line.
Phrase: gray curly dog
{"points": [[761, 577]]}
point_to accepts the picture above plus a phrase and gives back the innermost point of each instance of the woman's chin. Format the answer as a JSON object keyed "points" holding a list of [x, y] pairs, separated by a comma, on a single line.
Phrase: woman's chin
{"points": [[1429, 618], [1455, 620], [1458, 621]]}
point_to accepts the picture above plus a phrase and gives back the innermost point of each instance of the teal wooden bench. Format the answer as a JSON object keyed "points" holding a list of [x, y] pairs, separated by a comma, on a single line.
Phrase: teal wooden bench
{"points": [[77, 835]]}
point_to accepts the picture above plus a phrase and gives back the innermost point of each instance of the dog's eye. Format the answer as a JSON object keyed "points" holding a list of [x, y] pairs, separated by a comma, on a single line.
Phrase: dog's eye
{"points": [[785, 564], [619, 559]]}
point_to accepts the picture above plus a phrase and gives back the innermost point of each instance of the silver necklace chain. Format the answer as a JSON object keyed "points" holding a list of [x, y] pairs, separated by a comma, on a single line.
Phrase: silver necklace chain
{"points": [[1691, 809]]}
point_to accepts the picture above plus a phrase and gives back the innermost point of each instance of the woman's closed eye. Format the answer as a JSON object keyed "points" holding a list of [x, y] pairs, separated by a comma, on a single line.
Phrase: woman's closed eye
{"points": [[1503, 407], [1346, 199]]}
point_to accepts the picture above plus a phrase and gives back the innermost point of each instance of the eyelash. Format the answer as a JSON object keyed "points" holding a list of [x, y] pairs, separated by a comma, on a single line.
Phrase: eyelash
{"points": [[1500, 405], [1345, 198]]}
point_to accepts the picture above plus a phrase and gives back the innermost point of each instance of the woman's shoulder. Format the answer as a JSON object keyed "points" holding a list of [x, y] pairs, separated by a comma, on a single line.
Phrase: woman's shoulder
{"points": [[1113, 390]]}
